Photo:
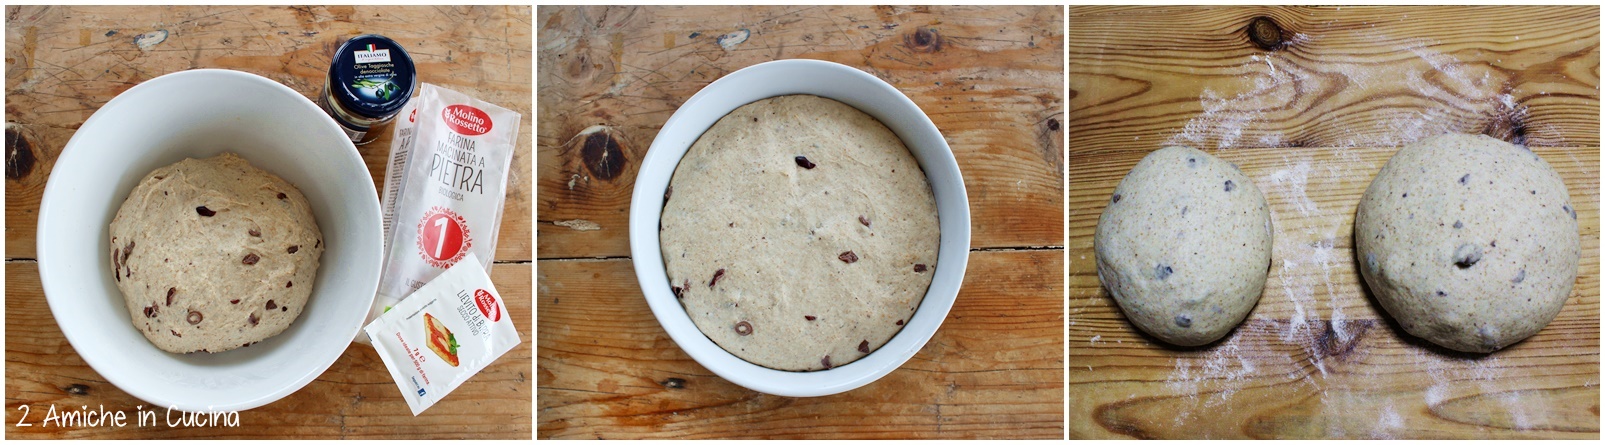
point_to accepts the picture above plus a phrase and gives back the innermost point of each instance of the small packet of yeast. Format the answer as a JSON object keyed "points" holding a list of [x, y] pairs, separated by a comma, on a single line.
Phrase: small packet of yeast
{"points": [[440, 336]]}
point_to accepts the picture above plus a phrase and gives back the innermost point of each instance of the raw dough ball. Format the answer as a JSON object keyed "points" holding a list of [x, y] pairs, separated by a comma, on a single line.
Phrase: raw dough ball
{"points": [[800, 234], [214, 254], [1184, 246], [1468, 241]]}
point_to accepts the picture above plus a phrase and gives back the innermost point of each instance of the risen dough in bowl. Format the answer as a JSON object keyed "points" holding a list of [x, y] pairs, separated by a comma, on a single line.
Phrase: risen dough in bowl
{"points": [[214, 254], [799, 233]]}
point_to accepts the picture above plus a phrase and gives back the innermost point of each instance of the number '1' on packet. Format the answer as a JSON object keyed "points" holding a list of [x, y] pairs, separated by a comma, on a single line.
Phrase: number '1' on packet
{"points": [[443, 334]]}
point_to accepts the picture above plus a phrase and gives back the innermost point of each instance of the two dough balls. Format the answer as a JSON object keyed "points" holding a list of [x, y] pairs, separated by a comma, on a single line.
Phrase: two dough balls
{"points": [[1468, 241]]}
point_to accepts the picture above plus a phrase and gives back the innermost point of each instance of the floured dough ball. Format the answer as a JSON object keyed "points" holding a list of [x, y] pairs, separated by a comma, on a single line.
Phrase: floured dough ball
{"points": [[1468, 241], [214, 254], [1184, 246], [800, 234]]}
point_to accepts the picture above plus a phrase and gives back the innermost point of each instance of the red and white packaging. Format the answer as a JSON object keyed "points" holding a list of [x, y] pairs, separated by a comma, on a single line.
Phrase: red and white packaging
{"points": [[443, 334], [444, 188]]}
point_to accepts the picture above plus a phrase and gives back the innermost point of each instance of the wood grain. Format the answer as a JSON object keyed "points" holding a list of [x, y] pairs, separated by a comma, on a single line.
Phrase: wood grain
{"points": [[1318, 358], [64, 62], [354, 399], [994, 369], [989, 78], [1345, 77]]}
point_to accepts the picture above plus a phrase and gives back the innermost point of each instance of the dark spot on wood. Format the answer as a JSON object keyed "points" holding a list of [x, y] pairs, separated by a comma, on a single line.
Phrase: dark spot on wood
{"points": [[603, 155], [1053, 124], [1265, 34], [673, 383], [693, 35], [923, 40], [19, 154], [1331, 344], [77, 389]]}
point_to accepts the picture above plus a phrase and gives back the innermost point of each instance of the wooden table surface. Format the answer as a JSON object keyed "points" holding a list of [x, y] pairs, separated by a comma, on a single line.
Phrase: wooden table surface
{"points": [[63, 63], [991, 80], [1311, 113]]}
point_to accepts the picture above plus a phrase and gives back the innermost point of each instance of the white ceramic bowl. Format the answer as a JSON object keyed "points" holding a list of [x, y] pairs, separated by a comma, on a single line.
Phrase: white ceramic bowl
{"points": [[200, 113], [844, 84]]}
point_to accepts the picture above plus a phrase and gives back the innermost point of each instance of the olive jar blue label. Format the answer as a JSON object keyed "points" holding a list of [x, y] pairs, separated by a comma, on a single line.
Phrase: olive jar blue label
{"points": [[371, 77]]}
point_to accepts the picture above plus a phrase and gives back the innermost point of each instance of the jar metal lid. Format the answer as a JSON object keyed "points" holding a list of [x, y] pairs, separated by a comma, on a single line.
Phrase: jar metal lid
{"points": [[371, 76]]}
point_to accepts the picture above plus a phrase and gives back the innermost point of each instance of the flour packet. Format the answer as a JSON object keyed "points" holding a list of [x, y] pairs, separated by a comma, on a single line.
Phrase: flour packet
{"points": [[443, 334], [444, 188]]}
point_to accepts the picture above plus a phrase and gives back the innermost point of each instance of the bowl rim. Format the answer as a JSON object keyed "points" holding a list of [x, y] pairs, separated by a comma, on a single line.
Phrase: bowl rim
{"points": [[663, 157], [58, 305]]}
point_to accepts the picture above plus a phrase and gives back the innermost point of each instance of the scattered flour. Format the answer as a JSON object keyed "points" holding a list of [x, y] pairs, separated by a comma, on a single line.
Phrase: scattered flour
{"points": [[1209, 380]]}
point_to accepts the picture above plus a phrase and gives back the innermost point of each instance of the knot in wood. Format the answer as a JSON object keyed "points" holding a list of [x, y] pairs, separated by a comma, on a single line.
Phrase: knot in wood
{"points": [[924, 40], [601, 151], [1265, 33], [19, 153], [77, 389]]}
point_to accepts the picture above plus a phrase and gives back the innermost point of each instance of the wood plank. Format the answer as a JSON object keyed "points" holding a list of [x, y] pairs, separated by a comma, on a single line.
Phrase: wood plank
{"points": [[1317, 357], [990, 78], [354, 399], [1343, 77], [994, 369], [64, 62]]}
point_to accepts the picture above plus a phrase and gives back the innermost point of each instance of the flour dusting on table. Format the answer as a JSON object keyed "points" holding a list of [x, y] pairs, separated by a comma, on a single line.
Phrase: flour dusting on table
{"points": [[1212, 380]]}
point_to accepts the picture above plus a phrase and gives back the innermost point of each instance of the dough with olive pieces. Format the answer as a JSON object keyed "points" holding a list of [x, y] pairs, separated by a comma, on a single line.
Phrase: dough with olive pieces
{"points": [[214, 254], [1468, 241], [1184, 246], [799, 233]]}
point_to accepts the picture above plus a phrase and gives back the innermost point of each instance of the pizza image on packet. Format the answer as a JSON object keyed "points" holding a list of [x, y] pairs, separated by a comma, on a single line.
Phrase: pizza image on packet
{"points": [[440, 336], [441, 340]]}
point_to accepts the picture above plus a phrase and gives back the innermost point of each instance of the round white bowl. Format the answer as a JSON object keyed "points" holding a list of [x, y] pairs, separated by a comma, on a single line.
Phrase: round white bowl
{"points": [[201, 113], [849, 86]]}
